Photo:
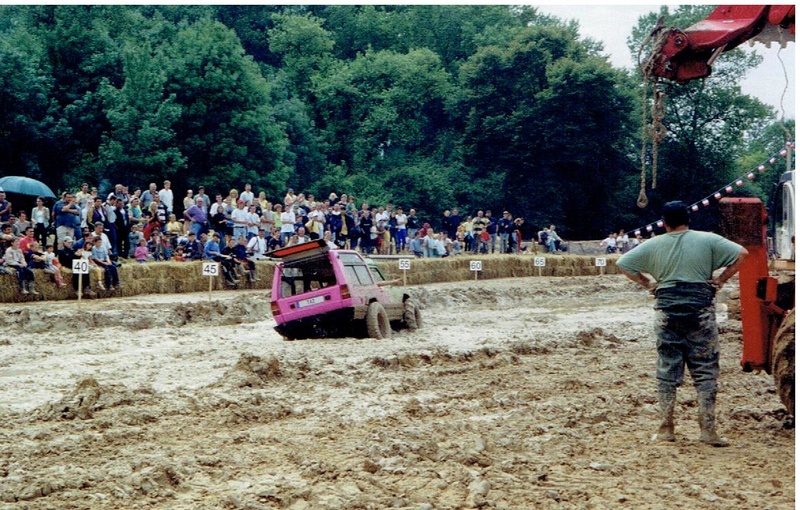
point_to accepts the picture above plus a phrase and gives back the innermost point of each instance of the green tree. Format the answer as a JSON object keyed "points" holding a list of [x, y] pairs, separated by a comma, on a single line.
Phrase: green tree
{"points": [[142, 144], [304, 46], [227, 129]]}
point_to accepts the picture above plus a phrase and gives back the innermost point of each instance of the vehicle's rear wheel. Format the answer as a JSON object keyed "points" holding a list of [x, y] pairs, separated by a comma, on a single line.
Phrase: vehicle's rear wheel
{"points": [[378, 325], [412, 314], [783, 362]]}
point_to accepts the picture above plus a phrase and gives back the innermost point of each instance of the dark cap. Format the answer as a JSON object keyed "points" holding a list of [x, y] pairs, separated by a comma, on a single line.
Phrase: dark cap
{"points": [[675, 214]]}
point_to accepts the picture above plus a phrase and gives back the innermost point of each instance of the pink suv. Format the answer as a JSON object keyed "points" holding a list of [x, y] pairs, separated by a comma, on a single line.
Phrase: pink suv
{"points": [[318, 293]]}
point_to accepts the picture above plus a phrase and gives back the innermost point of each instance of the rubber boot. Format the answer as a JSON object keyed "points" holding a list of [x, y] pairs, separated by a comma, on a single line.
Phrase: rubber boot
{"points": [[24, 287], [706, 417], [32, 289], [253, 276], [666, 403]]}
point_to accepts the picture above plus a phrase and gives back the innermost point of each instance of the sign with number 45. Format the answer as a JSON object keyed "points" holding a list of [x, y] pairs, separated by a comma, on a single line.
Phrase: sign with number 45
{"points": [[210, 268]]}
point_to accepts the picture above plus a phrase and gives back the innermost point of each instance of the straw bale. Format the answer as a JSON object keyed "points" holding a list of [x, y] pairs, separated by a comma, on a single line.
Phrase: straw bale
{"points": [[179, 277]]}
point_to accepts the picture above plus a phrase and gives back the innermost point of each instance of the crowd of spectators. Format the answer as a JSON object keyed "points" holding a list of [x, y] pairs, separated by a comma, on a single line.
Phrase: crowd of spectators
{"points": [[233, 228]]}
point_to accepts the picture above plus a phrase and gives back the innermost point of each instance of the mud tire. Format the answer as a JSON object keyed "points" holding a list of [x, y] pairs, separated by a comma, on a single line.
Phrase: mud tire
{"points": [[783, 362], [412, 315], [378, 325]]}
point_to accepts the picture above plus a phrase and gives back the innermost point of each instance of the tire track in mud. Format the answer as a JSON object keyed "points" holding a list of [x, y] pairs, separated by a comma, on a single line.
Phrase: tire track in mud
{"points": [[503, 400]]}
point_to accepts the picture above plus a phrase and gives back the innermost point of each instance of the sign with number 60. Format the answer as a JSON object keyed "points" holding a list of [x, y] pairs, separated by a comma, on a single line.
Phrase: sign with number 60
{"points": [[210, 268], [80, 266], [476, 265]]}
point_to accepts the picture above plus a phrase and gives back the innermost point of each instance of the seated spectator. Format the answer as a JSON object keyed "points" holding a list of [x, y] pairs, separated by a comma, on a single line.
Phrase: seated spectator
{"points": [[192, 249], [228, 262], [299, 238], [610, 243], [416, 245], [142, 253], [212, 250], [6, 236], [178, 256], [66, 254], [48, 262], [274, 242], [26, 240], [244, 260], [15, 260], [86, 254], [160, 247], [101, 257], [134, 237], [174, 227]]}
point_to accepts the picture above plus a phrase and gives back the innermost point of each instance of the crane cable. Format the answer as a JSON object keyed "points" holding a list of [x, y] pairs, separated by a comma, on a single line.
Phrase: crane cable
{"points": [[782, 45], [655, 129]]}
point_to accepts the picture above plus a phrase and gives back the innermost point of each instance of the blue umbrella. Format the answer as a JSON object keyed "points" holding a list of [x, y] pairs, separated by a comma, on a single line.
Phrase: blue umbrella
{"points": [[25, 186]]}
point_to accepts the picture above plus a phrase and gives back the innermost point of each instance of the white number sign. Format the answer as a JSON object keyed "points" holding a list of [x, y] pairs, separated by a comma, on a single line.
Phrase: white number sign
{"points": [[405, 264], [539, 262], [475, 265], [210, 268], [80, 266], [600, 262]]}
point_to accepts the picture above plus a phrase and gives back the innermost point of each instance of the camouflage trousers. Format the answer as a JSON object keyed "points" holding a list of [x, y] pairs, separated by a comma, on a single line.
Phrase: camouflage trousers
{"points": [[687, 338]]}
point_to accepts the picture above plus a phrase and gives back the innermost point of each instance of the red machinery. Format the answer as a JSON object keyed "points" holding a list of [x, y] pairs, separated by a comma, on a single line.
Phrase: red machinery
{"points": [[686, 55]]}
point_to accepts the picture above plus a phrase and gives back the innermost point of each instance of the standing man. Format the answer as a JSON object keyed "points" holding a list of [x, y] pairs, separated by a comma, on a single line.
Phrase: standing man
{"points": [[683, 261], [148, 195], [247, 195], [196, 214], [504, 228], [167, 197], [5, 207], [201, 194], [67, 218]]}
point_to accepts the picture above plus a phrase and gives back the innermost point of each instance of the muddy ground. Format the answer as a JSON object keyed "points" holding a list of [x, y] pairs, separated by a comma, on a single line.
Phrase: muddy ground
{"points": [[519, 394]]}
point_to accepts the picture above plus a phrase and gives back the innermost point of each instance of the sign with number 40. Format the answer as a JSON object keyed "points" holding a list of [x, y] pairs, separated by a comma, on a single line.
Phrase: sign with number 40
{"points": [[80, 266]]}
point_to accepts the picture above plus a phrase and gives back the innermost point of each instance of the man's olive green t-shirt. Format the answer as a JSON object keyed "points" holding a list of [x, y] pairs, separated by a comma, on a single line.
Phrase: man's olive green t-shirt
{"points": [[687, 256]]}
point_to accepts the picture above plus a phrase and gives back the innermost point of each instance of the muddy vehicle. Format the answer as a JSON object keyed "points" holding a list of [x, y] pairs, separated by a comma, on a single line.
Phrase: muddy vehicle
{"points": [[319, 293]]}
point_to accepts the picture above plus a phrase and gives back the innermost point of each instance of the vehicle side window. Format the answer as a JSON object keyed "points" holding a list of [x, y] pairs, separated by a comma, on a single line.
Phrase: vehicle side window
{"points": [[358, 275]]}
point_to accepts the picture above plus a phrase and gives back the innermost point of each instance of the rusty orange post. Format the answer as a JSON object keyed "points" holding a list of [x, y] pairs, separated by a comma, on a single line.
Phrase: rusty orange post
{"points": [[744, 221]]}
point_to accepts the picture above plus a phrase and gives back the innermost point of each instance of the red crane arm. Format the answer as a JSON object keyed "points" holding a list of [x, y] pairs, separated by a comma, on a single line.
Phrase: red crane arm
{"points": [[684, 55]]}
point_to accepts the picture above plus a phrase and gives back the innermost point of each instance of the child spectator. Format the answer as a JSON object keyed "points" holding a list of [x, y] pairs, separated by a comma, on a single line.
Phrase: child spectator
{"points": [[142, 253], [53, 266], [178, 255]]}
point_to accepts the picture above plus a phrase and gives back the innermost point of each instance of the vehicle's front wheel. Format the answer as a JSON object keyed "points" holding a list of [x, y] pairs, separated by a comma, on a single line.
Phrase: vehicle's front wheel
{"points": [[378, 325]]}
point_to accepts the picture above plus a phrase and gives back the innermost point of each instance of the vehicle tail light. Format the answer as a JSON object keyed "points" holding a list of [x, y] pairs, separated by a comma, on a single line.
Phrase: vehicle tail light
{"points": [[275, 309], [345, 291]]}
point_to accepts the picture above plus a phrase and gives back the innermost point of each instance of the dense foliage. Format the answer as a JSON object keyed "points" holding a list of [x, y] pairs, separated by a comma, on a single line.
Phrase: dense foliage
{"points": [[424, 106]]}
